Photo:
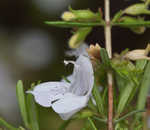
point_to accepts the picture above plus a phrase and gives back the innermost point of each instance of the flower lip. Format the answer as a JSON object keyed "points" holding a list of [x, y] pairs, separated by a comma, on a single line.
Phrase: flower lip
{"points": [[46, 93]]}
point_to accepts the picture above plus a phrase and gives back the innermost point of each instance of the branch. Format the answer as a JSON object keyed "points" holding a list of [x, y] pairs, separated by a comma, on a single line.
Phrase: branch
{"points": [[109, 75]]}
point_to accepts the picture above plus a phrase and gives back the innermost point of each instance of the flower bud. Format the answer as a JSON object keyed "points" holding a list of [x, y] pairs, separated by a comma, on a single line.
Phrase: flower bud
{"points": [[79, 36], [137, 9], [94, 51], [137, 30], [68, 16], [138, 54], [80, 15]]}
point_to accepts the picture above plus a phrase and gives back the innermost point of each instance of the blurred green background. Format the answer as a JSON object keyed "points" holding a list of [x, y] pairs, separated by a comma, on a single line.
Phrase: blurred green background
{"points": [[31, 50]]}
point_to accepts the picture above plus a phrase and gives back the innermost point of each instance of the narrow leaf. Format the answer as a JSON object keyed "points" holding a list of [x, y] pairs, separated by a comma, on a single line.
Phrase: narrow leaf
{"points": [[132, 24], [144, 88], [92, 124], [128, 114], [3, 123], [126, 93], [32, 112], [64, 125], [65, 24], [22, 102], [117, 16], [104, 57], [140, 64], [99, 119], [98, 100]]}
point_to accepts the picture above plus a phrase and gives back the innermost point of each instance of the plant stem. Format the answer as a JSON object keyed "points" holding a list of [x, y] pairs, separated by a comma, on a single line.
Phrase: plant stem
{"points": [[108, 28], [109, 50]]}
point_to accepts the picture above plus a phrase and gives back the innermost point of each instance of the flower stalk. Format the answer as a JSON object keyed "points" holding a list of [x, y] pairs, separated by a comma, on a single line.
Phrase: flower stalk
{"points": [[109, 50]]}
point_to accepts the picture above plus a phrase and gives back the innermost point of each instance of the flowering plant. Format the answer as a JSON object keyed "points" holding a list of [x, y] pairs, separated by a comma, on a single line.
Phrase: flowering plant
{"points": [[109, 91]]}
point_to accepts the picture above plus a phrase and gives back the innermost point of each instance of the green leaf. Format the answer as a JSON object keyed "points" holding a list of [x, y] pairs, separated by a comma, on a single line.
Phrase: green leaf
{"points": [[3, 123], [128, 114], [129, 19], [92, 124], [99, 119], [126, 93], [64, 125], [98, 100], [126, 70], [22, 102], [117, 16], [65, 24], [91, 105], [144, 88], [140, 64], [104, 57], [32, 112], [121, 82], [133, 24]]}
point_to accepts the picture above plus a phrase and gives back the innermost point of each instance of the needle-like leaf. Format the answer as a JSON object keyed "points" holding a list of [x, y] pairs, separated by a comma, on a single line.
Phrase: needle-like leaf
{"points": [[65, 24], [144, 88], [22, 102]]}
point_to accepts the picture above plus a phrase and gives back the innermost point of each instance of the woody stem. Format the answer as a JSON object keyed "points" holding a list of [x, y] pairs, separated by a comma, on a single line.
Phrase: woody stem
{"points": [[109, 75]]}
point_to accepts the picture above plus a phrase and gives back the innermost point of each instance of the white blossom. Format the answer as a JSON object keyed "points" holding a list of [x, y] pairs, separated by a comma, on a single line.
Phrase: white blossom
{"points": [[67, 98], [78, 51]]}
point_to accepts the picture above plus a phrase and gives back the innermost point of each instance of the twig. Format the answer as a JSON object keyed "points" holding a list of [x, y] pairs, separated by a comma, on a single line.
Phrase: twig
{"points": [[108, 28], [109, 50], [110, 102]]}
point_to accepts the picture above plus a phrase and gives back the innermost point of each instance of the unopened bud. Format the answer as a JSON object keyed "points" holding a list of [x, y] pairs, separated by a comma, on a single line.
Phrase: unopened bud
{"points": [[128, 19], [94, 51], [138, 54], [78, 37], [68, 16], [137, 9], [81, 15], [138, 30], [86, 15]]}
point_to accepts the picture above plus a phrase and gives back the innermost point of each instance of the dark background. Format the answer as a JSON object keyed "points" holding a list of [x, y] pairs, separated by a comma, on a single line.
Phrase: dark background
{"points": [[31, 50]]}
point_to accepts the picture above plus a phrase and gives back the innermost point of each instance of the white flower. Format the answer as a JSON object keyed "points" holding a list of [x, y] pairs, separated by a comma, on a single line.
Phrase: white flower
{"points": [[67, 98], [81, 50]]}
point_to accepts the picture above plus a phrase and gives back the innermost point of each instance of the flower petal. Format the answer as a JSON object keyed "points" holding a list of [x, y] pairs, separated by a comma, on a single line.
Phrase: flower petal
{"points": [[79, 51], [69, 105], [48, 92], [83, 78]]}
